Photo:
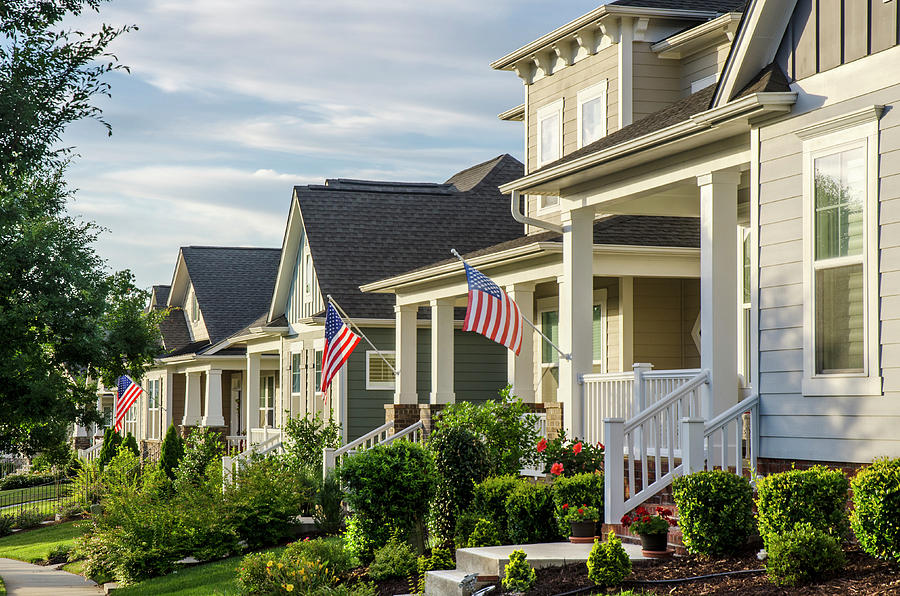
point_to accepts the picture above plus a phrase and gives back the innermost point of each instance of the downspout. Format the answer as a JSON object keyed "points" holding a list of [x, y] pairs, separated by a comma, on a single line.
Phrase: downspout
{"points": [[529, 221]]}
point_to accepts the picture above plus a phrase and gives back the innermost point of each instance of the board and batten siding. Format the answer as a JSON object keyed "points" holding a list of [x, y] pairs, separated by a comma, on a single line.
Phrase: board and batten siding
{"points": [[303, 303], [824, 34], [479, 373], [832, 428]]}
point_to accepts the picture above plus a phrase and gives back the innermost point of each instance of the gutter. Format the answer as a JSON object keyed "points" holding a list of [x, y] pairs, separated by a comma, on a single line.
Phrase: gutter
{"points": [[757, 103], [524, 219], [676, 42]]}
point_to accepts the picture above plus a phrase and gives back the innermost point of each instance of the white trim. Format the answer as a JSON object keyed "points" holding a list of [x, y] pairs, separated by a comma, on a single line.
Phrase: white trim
{"points": [[754, 257], [548, 111], [591, 93], [703, 83], [379, 386], [551, 304], [544, 208], [837, 135], [600, 300]]}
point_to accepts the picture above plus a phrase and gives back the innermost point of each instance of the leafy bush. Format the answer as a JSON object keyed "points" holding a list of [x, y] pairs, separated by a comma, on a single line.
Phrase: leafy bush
{"points": [[574, 457], [460, 461], [253, 574], [395, 559], [27, 480], [171, 452], [803, 554], [485, 533], [69, 510], [305, 438], [505, 426], [518, 576], [817, 496], [86, 488], [387, 485], [329, 551], [608, 564], [440, 558], [111, 442], [59, 458], [529, 516], [489, 500], [328, 509], [30, 518], [130, 443], [715, 511], [876, 509], [265, 498], [7, 523], [577, 489], [465, 525], [202, 451]]}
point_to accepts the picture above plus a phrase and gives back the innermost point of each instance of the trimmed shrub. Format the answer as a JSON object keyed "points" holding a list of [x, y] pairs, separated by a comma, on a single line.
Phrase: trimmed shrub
{"points": [[528, 518], [485, 533], [440, 558], [876, 509], [253, 574], [518, 576], [387, 486], [305, 438], [30, 518], [202, 453], [489, 500], [328, 508], [130, 443], [14, 481], [329, 551], [171, 452], [460, 460], [715, 511], [803, 554], [578, 489], [608, 564], [817, 496], [111, 442], [395, 559]]}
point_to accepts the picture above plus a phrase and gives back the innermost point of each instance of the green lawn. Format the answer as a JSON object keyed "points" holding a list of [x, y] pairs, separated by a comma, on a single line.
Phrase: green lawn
{"points": [[213, 579], [35, 545], [2, 588], [24, 495]]}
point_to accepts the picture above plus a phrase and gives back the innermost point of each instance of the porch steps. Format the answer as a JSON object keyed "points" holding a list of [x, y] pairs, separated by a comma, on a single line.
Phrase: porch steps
{"points": [[489, 562]]}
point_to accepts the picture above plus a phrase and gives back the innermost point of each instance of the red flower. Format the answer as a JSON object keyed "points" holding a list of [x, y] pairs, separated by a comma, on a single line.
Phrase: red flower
{"points": [[565, 505], [577, 448], [646, 518], [580, 511], [556, 469], [542, 445], [625, 521], [640, 510], [600, 445]]}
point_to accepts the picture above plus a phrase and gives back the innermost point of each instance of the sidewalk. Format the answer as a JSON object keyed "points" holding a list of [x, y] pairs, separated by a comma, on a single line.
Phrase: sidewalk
{"points": [[24, 579]]}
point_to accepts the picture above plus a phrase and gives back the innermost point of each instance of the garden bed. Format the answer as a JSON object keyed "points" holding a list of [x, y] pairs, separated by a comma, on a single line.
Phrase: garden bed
{"points": [[862, 575]]}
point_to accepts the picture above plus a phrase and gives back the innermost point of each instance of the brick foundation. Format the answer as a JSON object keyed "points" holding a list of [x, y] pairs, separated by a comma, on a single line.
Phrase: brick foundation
{"points": [[402, 415], [766, 466], [428, 413]]}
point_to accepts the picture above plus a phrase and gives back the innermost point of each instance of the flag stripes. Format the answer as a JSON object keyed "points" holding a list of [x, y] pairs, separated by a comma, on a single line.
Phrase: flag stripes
{"points": [[491, 312], [339, 344], [127, 394]]}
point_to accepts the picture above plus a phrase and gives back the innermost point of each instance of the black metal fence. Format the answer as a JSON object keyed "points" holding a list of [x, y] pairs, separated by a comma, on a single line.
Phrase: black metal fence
{"points": [[50, 498]]}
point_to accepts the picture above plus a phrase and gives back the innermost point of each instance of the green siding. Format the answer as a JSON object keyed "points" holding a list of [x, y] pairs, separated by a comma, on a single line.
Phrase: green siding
{"points": [[480, 371]]}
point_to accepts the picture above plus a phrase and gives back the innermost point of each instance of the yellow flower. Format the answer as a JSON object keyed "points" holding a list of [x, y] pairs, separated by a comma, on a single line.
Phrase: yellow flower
{"points": [[289, 587], [270, 563], [280, 565]]}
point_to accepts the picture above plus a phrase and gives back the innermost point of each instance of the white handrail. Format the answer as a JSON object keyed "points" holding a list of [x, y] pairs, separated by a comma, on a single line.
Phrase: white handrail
{"points": [[363, 439], [730, 414], [701, 379], [91, 452], [418, 426]]}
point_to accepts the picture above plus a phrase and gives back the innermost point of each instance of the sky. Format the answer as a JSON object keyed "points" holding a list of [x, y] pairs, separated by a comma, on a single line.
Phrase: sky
{"points": [[230, 103]]}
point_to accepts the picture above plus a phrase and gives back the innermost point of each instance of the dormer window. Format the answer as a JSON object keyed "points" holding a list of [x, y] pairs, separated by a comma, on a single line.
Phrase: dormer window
{"points": [[591, 114], [549, 121], [195, 308]]}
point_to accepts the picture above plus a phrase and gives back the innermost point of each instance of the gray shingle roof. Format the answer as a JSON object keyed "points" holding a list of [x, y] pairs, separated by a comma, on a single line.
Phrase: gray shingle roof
{"points": [[160, 295], [717, 5], [174, 330], [233, 285], [361, 231]]}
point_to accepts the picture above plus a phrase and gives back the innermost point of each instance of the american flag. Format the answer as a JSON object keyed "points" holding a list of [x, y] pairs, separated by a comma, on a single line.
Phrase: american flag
{"points": [[127, 395], [339, 344], [491, 312]]}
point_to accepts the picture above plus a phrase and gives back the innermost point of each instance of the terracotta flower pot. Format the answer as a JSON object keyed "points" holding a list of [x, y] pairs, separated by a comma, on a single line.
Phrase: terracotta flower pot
{"points": [[583, 530], [655, 542]]}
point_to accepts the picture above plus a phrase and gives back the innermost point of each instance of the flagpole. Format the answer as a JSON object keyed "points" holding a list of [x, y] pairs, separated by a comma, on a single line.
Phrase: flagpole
{"points": [[524, 318], [361, 334]]}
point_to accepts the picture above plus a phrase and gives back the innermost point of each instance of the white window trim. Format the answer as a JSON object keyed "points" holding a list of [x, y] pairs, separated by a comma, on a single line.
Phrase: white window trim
{"points": [[589, 94], [296, 349], [858, 129], [549, 110], [552, 305], [545, 305], [378, 386], [543, 209], [274, 407]]}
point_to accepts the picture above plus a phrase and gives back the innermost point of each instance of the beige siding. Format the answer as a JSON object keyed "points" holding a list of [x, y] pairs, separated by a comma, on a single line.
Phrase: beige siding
{"points": [[831, 428], [664, 314], [824, 34], [702, 64], [656, 82], [565, 84]]}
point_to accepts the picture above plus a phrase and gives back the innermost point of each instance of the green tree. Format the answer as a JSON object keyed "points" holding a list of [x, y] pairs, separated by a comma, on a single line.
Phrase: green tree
{"points": [[65, 322], [171, 452], [111, 442], [130, 443]]}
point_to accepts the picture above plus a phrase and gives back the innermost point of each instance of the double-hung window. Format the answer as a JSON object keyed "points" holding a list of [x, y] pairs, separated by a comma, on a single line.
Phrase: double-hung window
{"points": [[840, 199], [297, 372], [378, 374], [154, 387], [549, 132], [550, 327], [591, 114], [267, 401]]}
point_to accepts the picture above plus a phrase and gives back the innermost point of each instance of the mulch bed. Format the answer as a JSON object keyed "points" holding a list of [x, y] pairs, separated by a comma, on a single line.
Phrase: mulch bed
{"points": [[862, 575]]}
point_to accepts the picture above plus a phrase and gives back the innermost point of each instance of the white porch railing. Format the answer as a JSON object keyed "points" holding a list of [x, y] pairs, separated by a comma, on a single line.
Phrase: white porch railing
{"points": [[624, 394], [91, 453], [262, 435], [331, 457], [236, 443], [272, 444], [678, 441]]}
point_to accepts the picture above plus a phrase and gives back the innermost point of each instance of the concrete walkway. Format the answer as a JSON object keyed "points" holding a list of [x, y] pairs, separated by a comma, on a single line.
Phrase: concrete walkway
{"points": [[25, 579]]}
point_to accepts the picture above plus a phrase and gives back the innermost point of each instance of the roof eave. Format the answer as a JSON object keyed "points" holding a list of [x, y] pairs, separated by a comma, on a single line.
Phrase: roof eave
{"points": [[681, 44], [752, 106]]}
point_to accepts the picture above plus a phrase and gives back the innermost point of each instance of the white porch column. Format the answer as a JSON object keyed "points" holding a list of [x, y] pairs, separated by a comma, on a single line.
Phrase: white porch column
{"points": [[626, 323], [169, 404], [576, 314], [718, 288], [191, 399], [520, 369], [442, 391], [251, 393], [405, 354], [213, 406]]}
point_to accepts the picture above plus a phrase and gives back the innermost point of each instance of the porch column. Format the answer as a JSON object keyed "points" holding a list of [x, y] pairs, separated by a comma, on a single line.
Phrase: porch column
{"points": [[169, 412], [191, 399], [718, 288], [251, 393], [442, 391], [405, 354], [576, 314], [520, 369], [213, 410], [626, 323]]}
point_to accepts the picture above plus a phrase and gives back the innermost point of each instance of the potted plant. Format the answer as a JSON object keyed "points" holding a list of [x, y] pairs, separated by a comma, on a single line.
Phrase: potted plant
{"points": [[583, 521], [653, 528]]}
